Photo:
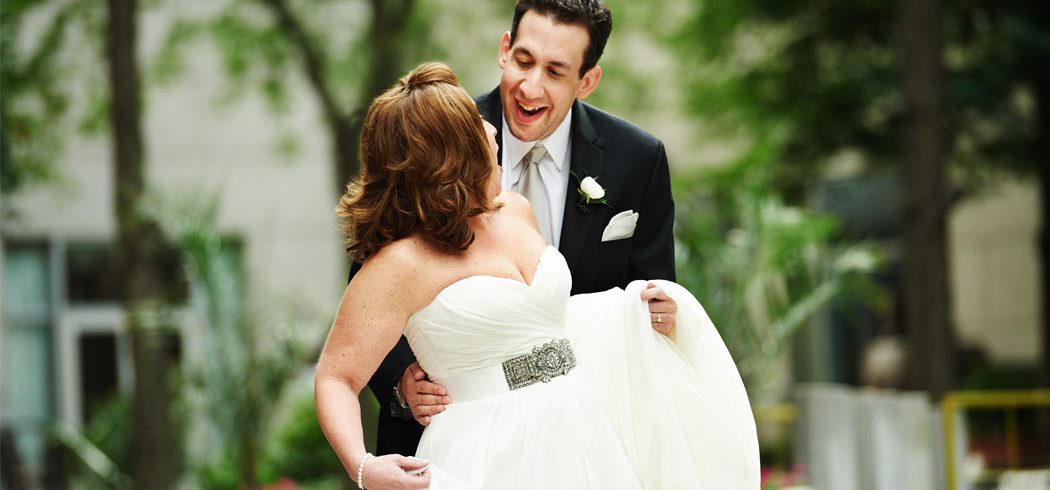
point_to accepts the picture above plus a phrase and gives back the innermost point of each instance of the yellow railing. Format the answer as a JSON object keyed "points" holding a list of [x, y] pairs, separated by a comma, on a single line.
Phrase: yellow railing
{"points": [[777, 413], [1008, 401]]}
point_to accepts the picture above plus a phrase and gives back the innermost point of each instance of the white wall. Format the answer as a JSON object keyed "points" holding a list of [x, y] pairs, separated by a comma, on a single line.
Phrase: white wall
{"points": [[995, 275], [281, 208]]}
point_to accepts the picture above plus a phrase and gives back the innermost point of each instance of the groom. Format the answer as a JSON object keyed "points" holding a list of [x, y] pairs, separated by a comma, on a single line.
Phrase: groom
{"points": [[611, 231]]}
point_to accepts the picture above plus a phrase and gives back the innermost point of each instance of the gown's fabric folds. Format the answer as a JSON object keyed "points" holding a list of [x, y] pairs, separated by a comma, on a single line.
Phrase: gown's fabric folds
{"points": [[640, 410]]}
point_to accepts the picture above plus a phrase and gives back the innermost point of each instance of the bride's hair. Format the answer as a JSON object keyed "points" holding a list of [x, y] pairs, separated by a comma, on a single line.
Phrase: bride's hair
{"points": [[424, 166]]}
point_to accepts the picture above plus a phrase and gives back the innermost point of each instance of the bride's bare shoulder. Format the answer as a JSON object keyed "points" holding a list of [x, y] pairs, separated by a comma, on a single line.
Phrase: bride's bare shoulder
{"points": [[520, 209], [397, 261], [409, 272], [517, 204], [513, 201]]}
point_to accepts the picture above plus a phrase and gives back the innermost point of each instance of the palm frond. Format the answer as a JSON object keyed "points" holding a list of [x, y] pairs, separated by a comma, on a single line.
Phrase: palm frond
{"points": [[251, 349], [764, 269], [93, 459]]}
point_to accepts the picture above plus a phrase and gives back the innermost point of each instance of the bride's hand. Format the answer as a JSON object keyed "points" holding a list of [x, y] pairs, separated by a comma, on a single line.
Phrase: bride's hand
{"points": [[424, 398], [392, 472], [662, 309]]}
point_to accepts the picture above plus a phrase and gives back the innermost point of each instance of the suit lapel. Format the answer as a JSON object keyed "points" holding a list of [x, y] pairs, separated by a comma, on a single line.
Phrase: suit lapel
{"points": [[586, 161]]}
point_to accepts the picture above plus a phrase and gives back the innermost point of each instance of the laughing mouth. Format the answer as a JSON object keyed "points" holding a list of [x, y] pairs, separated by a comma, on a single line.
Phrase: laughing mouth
{"points": [[530, 110]]}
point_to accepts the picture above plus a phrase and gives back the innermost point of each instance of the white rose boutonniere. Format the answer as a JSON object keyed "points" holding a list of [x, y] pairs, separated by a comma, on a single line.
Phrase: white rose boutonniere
{"points": [[590, 189], [591, 192]]}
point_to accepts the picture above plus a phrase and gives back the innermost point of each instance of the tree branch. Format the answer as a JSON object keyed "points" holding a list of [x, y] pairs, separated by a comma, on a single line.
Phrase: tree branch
{"points": [[312, 58]]}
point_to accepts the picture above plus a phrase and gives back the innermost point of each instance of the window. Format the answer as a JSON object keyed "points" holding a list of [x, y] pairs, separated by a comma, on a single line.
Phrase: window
{"points": [[27, 400], [92, 273]]}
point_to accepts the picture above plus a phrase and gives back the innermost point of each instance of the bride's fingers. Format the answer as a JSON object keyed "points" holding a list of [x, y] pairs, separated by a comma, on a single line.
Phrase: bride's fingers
{"points": [[664, 328], [396, 471], [413, 465], [667, 316], [653, 292], [662, 309], [663, 321]]}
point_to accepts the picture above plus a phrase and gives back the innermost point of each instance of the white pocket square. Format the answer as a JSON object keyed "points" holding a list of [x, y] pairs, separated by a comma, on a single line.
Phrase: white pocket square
{"points": [[620, 226]]}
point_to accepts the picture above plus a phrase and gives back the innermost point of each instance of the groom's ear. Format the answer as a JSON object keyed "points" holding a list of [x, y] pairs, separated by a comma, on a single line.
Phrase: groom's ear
{"points": [[590, 82], [504, 49]]}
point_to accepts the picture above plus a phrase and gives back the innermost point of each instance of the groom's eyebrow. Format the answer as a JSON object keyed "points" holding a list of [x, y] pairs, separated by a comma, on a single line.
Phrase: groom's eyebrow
{"points": [[526, 52]]}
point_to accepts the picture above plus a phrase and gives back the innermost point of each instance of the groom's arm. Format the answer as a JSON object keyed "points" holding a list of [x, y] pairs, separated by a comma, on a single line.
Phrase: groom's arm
{"points": [[389, 373], [652, 256]]}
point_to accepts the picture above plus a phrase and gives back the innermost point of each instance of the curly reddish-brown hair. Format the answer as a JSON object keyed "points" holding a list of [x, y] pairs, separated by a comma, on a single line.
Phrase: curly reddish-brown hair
{"points": [[425, 165]]}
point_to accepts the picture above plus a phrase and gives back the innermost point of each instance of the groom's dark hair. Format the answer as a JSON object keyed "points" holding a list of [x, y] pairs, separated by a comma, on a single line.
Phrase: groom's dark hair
{"points": [[592, 15]]}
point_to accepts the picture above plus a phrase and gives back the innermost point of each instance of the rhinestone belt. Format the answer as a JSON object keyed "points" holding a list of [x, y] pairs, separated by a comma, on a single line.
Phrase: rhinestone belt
{"points": [[545, 362]]}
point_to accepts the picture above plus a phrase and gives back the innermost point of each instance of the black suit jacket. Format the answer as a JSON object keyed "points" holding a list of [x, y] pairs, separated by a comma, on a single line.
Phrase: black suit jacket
{"points": [[632, 167]]}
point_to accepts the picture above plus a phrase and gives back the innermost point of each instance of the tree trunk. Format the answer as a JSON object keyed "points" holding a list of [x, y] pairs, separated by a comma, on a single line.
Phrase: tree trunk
{"points": [[927, 201], [346, 135], [389, 20], [247, 462], [1044, 241], [1041, 154], [153, 446]]}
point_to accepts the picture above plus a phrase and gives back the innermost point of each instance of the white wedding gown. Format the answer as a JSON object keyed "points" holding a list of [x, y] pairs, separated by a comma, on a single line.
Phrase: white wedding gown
{"points": [[639, 410]]}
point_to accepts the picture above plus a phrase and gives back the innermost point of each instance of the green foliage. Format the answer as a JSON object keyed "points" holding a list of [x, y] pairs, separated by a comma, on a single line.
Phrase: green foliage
{"points": [[36, 92], [299, 450], [260, 56], [828, 74], [221, 471], [636, 63], [53, 83], [820, 76], [100, 450], [253, 51], [345, 52], [763, 269], [251, 349], [994, 53]]}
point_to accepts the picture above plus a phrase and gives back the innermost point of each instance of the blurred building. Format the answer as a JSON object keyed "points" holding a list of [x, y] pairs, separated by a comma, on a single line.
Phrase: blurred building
{"points": [[63, 348], [994, 275]]}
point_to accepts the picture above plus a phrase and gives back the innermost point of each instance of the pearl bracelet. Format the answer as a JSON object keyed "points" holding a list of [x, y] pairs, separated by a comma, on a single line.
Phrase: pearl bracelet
{"points": [[361, 470]]}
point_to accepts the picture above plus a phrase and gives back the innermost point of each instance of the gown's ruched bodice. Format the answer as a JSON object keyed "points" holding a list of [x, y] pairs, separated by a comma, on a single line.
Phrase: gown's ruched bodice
{"points": [[480, 321]]}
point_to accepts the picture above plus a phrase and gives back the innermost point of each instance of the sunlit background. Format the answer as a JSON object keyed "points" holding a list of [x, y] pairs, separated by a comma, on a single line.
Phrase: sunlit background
{"points": [[861, 189]]}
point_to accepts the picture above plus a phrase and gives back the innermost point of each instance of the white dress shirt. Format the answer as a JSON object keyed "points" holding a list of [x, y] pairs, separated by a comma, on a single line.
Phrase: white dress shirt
{"points": [[554, 168]]}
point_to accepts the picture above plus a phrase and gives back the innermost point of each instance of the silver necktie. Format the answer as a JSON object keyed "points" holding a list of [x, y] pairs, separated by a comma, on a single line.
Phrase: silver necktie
{"points": [[531, 186]]}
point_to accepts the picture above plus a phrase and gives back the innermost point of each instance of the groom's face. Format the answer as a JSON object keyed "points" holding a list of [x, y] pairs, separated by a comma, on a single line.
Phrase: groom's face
{"points": [[541, 75]]}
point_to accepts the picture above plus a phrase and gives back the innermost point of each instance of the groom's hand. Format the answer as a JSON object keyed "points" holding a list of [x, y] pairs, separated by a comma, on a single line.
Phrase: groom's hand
{"points": [[424, 398], [662, 308]]}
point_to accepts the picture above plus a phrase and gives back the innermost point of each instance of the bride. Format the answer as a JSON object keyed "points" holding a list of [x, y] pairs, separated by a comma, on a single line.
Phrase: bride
{"points": [[547, 391]]}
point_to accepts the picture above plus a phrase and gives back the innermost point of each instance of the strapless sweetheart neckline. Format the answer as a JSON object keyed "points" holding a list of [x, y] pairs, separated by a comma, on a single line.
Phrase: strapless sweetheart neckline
{"points": [[527, 285]]}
